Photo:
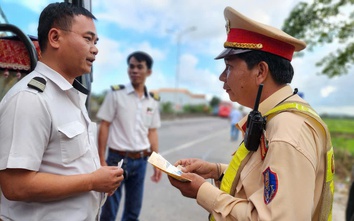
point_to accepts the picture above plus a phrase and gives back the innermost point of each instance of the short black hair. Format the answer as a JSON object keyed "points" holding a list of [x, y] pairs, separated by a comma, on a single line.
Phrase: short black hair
{"points": [[142, 56], [58, 15], [280, 68]]}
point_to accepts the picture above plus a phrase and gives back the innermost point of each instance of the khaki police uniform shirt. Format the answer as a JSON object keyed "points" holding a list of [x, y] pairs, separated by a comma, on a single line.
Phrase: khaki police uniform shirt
{"points": [[296, 155], [49, 132], [131, 117]]}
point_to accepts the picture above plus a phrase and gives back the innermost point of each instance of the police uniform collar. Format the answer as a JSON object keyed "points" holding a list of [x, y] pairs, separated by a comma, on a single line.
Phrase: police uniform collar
{"points": [[275, 98], [146, 92], [130, 89], [53, 76], [78, 86], [270, 102], [58, 79]]}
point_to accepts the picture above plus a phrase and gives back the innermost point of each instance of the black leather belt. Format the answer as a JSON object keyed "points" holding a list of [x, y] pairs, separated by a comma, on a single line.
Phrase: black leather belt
{"points": [[132, 154]]}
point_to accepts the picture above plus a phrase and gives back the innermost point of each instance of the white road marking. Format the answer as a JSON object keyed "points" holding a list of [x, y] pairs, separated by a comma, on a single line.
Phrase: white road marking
{"points": [[189, 144]]}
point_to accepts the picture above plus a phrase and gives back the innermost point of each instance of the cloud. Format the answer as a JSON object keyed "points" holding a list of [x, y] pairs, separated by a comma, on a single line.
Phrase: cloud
{"points": [[325, 92], [154, 25], [36, 6], [198, 70]]}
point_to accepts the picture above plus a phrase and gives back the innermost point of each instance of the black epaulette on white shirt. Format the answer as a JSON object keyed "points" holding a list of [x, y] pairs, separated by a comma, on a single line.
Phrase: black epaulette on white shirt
{"points": [[37, 83], [155, 96], [117, 87]]}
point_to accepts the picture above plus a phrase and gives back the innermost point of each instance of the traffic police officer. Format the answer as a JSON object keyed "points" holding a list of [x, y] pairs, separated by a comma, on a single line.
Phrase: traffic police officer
{"points": [[289, 175]]}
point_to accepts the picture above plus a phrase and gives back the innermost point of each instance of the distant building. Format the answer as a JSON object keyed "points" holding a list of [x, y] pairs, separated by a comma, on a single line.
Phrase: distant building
{"points": [[180, 97]]}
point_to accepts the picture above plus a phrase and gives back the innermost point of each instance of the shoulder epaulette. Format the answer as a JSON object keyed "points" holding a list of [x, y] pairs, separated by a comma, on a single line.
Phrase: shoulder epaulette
{"points": [[37, 83], [117, 87], [155, 96]]}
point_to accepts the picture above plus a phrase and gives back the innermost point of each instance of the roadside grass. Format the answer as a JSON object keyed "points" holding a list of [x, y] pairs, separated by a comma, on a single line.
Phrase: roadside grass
{"points": [[342, 135]]}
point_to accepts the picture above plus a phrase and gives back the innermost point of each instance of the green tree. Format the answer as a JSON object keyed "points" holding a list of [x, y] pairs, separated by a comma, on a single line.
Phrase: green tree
{"points": [[199, 108], [167, 108], [322, 22], [214, 101]]}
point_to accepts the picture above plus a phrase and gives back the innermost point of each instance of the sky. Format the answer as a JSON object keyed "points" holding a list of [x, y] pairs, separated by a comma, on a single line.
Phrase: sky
{"points": [[184, 37]]}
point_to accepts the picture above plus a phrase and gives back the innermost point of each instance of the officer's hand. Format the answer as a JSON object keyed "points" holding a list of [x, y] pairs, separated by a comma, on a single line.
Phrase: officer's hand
{"points": [[188, 189], [107, 179], [192, 165]]}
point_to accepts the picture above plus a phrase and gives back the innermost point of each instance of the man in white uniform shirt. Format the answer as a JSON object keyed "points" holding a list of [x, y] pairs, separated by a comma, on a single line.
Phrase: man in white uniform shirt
{"points": [[49, 164], [130, 118]]}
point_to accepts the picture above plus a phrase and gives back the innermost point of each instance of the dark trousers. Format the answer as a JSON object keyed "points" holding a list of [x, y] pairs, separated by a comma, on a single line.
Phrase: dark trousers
{"points": [[134, 175]]}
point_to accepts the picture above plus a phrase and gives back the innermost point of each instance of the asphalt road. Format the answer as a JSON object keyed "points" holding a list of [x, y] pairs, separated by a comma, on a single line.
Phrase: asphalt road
{"points": [[206, 138]]}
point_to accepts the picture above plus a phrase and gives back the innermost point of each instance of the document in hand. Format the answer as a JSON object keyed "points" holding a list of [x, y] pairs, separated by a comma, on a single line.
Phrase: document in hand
{"points": [[162, 164]]}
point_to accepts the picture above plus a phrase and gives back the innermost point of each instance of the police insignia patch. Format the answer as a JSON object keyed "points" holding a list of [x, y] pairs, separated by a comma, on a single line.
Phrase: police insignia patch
{"points": [[270, 185], [227, 26]]}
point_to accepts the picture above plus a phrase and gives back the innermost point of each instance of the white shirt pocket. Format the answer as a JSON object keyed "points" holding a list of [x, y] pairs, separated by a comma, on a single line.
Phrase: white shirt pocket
{"points": [[148, 116], [73, 141]]}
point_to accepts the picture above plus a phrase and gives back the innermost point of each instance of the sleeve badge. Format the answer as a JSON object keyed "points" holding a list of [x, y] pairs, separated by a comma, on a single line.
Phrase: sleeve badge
{"points": [[270, 185]]}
